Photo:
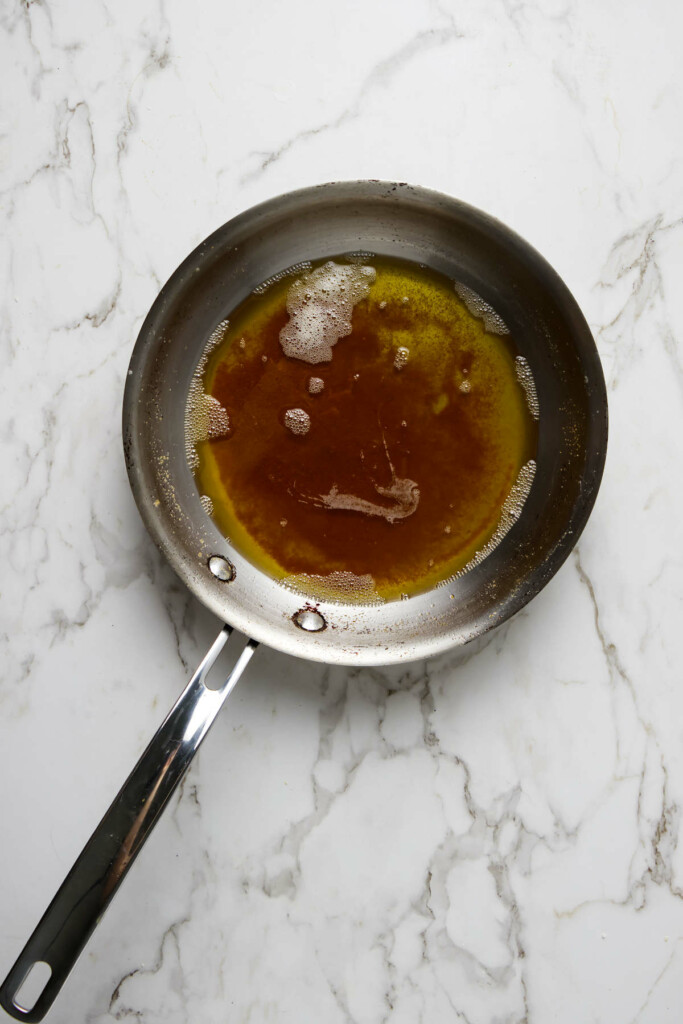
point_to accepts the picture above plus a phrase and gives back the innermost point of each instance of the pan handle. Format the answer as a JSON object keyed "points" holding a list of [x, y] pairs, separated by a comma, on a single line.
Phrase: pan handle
{"points": [[89, 887]]}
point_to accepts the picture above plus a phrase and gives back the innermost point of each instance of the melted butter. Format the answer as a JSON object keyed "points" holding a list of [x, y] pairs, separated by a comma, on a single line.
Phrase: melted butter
{"points": [[393, 464]]}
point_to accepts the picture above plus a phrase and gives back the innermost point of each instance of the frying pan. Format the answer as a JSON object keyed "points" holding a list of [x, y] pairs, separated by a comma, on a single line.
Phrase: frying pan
{"points": [[377, 217]]}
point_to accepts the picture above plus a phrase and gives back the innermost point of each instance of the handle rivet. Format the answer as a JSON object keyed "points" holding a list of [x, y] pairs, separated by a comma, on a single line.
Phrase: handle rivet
{"points": [[309, 619], [222, 569]]}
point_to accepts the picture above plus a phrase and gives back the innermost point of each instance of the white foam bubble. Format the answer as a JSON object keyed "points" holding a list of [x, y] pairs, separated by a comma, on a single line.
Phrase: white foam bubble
{"points": [[205, 417], [404, 493], [509, 514], [315, 385], [298, 421], [493, 323], [401, 357], [320, 306], [359, 256], [526, 379], [265, 285], [338, 586]]}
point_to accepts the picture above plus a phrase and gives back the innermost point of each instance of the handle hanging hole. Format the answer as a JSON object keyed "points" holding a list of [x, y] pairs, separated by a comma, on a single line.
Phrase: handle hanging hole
{"points": [[35, 980]]}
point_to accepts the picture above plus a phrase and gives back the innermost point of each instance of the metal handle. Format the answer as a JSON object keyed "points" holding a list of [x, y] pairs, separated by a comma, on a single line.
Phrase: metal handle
{"points": [[87, 890]]}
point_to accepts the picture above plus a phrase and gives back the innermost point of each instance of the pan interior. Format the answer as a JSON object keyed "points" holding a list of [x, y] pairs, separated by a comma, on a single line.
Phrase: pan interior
{"points": [[456, 241]]}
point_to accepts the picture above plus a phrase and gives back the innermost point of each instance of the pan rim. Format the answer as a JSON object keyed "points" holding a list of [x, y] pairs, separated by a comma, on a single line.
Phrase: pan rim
{"points": [[389, 652]]}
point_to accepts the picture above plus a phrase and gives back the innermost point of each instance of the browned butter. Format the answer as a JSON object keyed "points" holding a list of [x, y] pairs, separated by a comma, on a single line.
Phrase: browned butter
{"points": [[368, 426]]}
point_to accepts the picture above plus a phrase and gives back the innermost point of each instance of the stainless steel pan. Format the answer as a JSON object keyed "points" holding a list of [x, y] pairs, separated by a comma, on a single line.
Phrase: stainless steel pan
{"points": [[377, 217]]}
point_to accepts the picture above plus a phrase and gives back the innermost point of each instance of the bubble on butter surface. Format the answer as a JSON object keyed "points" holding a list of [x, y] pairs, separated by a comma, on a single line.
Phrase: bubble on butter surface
{"points": [[205, 417], [493, 322], [320, 306], [340, 586], [262, 288], [298, 421], [359, 256], [526, 379], [509, 514], [401, 357]]}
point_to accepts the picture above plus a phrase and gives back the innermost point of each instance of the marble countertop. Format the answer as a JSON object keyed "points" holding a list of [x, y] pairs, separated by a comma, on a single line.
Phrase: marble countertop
{"points": [[491, 837]]}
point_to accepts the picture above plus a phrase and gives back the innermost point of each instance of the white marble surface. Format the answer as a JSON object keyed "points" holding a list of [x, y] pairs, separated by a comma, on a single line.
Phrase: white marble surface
{"points": [[476, 840]]}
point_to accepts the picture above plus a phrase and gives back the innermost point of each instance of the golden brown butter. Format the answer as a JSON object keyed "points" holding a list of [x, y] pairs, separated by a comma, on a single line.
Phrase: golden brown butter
{"points": [[389, 453]]}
